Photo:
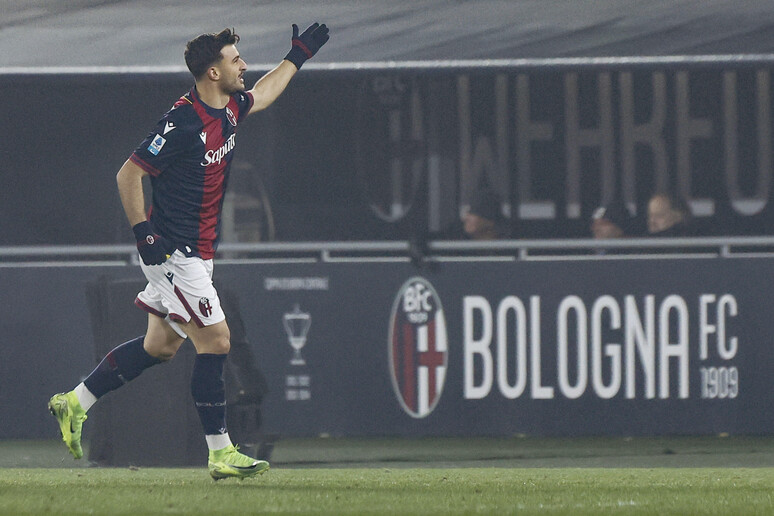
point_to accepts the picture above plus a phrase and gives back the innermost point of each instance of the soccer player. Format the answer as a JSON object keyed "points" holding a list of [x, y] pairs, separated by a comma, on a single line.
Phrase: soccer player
{"points": [[188, 156]]}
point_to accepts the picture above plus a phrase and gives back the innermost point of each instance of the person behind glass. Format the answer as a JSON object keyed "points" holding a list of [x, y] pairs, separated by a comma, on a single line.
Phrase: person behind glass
{"points": [[668, 216], [483, 221], [612, 221]]}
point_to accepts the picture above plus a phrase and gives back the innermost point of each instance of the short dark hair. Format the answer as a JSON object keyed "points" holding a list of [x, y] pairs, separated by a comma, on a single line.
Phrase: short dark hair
{"points": [[486, 204], [203, 51], [676, 201], [616, 212]]}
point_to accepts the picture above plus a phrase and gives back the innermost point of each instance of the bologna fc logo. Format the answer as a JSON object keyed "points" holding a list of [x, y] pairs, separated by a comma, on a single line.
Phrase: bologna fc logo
{"points": [[205, 307], [418, 347], [231, 118]]}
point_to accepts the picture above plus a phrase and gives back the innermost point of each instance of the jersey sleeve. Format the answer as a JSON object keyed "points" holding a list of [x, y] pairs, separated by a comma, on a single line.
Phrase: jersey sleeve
{"points": [[163, 145], [245, 101]]}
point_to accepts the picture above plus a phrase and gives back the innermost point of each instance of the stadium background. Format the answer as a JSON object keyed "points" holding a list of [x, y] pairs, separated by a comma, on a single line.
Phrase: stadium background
{"points": [[319, 170]]}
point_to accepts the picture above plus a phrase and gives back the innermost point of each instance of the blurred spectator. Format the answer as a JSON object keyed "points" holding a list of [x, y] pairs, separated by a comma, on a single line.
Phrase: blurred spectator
{"points": [[484, 221], [613, 220], [668, 215]]}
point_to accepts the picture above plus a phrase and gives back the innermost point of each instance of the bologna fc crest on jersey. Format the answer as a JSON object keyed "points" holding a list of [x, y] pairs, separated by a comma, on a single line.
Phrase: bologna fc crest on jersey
{"points": [[418, 347], [230, 115]]}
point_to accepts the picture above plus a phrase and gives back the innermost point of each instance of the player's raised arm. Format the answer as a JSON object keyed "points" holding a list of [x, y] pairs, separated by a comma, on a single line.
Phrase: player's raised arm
{"points": [[304, 46]]}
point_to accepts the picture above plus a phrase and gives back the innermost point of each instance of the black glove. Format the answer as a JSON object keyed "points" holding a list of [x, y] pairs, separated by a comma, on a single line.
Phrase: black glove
{"points": [[154, 249], [307, 44]]}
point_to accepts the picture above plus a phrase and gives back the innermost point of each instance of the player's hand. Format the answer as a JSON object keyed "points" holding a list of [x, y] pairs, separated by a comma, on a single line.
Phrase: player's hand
{"points": [[307, 43], [154, 249]]}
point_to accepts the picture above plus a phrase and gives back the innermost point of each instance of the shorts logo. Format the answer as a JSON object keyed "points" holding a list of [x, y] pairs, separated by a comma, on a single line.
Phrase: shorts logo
{"points": [[150, 240], [156, 145], [417, 345], [205, 307], [231, 118]]}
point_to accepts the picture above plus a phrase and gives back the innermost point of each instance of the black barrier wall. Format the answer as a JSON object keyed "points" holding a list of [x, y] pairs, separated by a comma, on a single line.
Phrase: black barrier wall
{"points": [[629, 347], [391, 153]]}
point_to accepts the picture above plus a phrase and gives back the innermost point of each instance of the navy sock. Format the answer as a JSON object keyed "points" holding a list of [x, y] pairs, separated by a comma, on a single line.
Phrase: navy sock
{"points": [[121, 365], [208, 389]]}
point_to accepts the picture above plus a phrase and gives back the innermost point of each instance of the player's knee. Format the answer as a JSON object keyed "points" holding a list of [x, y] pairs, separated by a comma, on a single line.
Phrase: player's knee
{"points": [[163, 354], [218, 343], [163, 351], [221, 345], [212, 339]]}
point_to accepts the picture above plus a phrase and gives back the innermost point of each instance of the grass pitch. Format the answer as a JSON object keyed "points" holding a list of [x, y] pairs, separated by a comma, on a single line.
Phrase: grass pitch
{"points": [[427, 476], [584, 491]]}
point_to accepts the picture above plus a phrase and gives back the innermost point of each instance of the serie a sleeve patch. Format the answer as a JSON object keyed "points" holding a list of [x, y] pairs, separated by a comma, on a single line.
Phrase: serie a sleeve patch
{"points": [[156, 144]]}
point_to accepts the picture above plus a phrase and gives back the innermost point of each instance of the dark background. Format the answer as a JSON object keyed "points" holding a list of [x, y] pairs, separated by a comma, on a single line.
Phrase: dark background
{"points": [[323, 158]]}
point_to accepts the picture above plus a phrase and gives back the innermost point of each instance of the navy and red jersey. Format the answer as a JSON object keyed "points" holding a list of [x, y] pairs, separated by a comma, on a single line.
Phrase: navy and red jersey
{"points": [[188, 156]]}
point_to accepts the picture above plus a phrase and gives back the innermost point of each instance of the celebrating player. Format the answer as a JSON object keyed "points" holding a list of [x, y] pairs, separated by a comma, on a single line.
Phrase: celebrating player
{"points": [[188, 156]]}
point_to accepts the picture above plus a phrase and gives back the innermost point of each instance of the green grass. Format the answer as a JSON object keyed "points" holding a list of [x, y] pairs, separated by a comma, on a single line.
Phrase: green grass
{"points": [[577, 491], [583, 476]]}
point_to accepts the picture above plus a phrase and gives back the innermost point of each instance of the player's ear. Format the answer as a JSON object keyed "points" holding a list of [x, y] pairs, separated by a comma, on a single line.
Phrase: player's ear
{"points": [[213, 73]]}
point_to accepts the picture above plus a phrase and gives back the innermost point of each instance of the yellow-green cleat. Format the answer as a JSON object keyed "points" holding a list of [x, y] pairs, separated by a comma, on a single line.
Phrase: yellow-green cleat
{"points": [[67, 410], [228, 462]]}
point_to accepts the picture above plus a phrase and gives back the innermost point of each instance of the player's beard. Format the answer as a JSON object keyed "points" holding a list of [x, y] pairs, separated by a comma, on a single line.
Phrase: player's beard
{"points": [[236, 86]]}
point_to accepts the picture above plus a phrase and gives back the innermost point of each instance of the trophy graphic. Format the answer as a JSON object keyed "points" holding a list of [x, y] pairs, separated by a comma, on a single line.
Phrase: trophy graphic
{"points": [[297, 326]]}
